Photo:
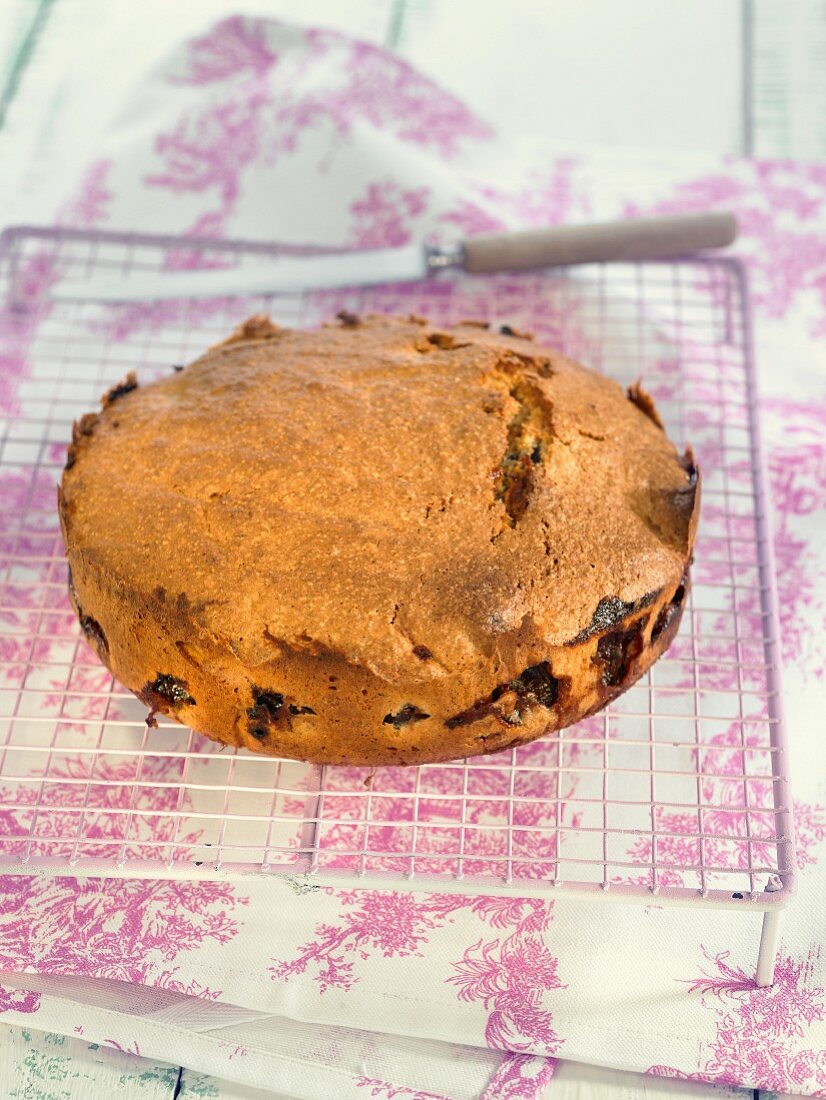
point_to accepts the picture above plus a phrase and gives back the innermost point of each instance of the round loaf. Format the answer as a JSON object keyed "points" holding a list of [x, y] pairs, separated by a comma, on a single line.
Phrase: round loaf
{"points": [[382, 542]]}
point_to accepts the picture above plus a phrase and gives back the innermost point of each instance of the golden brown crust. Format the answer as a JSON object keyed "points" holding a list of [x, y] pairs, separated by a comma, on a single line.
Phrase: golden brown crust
{"points": [[645, 403], [381, 542]]}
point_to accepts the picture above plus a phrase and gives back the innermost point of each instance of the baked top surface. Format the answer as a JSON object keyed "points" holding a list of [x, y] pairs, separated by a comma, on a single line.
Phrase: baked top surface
{"points": [[380, 490]]}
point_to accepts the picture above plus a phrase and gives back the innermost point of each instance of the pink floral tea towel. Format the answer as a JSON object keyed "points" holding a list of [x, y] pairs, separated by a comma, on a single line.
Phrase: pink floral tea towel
{"points": [[257, 130]]}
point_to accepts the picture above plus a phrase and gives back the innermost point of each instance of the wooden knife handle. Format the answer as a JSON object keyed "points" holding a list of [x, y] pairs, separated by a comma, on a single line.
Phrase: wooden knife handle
{"points": [[634, 239]]}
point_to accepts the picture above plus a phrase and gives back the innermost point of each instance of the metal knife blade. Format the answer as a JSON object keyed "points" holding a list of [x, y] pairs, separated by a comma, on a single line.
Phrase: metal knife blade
{"points": [[279, 275], [628, 240]]}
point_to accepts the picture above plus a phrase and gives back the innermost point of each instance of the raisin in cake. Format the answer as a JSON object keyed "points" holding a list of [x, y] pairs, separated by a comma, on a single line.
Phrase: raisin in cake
{"points": [[381, 542]]}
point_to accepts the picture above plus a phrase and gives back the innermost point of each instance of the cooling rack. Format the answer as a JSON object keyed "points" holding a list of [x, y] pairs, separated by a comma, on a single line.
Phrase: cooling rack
{"points": [[677, 793]]}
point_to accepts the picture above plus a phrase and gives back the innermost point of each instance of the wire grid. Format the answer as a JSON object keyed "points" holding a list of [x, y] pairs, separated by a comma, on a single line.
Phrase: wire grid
{"points": [[679, 788]]}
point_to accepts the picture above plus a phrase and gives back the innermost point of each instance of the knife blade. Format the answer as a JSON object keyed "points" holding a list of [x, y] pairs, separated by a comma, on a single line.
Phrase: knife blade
{"points": [[279, 275], [557, 246]]}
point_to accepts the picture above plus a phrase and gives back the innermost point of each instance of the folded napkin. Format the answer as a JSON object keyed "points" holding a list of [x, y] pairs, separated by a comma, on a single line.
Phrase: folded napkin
{"points": [[258, 130]]}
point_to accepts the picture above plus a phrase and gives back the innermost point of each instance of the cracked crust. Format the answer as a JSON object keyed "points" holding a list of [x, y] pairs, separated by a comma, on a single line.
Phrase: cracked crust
{"points": [[383, 542]]}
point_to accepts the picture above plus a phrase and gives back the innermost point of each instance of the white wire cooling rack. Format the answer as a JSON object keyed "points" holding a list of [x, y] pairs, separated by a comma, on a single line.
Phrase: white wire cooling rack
{"points": [[676, 792]]}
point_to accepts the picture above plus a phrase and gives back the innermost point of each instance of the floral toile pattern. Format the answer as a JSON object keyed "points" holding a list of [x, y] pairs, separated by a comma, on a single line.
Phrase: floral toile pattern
{"points": [[253, 106], [384, 1090], [780, 207], [257, 103], [760, 1034], [392, 925], [133, 931], [19, 1000], [385, 216], [520, 1077], [509, 975], [797, 467]]}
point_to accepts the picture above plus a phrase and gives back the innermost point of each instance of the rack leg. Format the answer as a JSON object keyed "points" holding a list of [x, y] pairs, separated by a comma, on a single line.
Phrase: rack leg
{"points": [[768, 947]]}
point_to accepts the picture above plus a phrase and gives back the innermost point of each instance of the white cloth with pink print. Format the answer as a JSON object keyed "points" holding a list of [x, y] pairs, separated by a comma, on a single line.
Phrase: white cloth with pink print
{"points": [[260, 131]]}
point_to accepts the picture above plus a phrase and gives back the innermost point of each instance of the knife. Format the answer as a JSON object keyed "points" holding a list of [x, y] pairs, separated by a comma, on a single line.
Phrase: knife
{"points": [[558, 246]]}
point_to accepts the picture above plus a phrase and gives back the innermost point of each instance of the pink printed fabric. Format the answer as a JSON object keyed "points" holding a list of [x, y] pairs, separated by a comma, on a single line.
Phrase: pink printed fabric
{"points": [[254, 129]]}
